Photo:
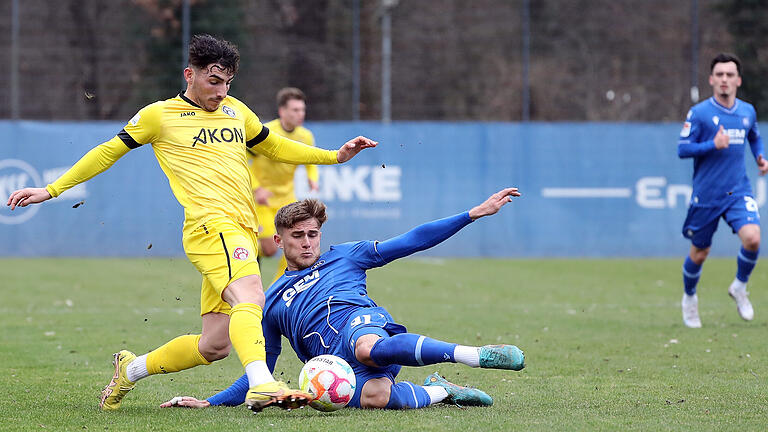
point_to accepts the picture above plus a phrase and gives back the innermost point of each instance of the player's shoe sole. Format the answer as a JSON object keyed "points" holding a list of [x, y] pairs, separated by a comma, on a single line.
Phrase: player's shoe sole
{"points": [[743, 305], [275, 394], [462, 396], [502, 357], [119, 386]]}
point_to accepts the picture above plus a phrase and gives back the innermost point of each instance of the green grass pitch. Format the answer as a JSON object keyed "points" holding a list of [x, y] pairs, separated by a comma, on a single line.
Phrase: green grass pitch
{"points": [[604, 342]]}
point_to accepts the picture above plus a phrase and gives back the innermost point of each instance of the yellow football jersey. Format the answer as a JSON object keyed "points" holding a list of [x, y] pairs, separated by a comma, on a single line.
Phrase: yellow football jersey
{"points": [[202, 153], [277, 177]]}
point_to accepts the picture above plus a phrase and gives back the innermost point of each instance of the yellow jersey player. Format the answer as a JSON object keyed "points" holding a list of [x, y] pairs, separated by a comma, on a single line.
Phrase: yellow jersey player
{"points": [[272, 181], [200, 139]]}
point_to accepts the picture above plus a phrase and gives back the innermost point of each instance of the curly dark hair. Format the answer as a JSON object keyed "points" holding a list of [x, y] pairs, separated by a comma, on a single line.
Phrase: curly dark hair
{"points": [[205, 50]]}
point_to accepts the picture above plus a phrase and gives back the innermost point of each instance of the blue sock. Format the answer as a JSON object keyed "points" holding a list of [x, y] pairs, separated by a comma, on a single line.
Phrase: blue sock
{"points": [[745, 263], [409, 349], [232, 396], [691, 274], [407, 395]]}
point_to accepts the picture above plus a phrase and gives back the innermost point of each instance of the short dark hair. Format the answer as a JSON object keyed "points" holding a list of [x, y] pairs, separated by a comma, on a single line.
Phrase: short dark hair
{"points": [[299, 211], [288, 93], [205, 50], [725, 58]]}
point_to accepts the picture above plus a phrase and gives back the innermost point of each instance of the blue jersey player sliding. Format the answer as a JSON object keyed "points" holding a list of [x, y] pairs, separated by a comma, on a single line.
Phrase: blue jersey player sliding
{"points": [[321, 305], [715, 135]]}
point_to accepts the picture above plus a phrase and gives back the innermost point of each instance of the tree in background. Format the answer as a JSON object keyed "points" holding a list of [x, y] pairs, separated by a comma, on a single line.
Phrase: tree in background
{"points": [[747, 22]]}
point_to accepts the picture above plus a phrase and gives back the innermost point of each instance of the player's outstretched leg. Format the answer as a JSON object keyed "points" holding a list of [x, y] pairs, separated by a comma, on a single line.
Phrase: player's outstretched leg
{"points": [[275, 393], [119, 386], [462, 396], [409, 349]]}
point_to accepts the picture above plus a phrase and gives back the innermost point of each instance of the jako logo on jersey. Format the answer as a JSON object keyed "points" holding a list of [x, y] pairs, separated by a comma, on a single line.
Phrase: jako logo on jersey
{"points": [[318, 264], [304, 284], [187, 114], [241, 254], [228, 111], [210, 136]]}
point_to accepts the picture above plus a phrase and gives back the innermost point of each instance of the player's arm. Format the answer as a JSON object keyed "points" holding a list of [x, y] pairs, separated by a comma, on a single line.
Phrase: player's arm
{"points": [[283, 149], [96, 161], [692, 144], [433, 233], [756, 145], [313, 175]]}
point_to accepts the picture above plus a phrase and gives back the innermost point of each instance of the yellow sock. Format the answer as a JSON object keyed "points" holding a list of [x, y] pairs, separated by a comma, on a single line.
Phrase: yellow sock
{"points": [[178, 354], [281, 265], [246, 334]]}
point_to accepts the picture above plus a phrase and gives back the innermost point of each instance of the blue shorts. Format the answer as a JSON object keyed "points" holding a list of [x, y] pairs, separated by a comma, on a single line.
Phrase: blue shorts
{"points": [[701, 223], [373, 320]]}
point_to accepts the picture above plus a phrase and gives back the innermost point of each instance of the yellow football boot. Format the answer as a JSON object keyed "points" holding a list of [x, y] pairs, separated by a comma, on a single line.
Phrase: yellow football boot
{"points": [[275, 393], [119, 386]]}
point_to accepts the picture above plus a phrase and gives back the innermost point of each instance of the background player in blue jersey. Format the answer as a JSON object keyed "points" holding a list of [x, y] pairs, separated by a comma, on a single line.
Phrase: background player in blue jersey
{"points": [[321, 305], [714, 135]]}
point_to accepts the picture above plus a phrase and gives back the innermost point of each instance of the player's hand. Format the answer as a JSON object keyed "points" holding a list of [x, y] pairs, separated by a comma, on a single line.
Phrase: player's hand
{"points": [[27, 196], [261, 195], [185, 401], [762, 165], [494, 203], [721, 139], [353, 147], [313, 186]]}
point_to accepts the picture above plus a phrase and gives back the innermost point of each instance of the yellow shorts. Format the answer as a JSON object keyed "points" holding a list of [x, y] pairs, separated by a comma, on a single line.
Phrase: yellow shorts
{"points": [[223, 251], [266, 216]]}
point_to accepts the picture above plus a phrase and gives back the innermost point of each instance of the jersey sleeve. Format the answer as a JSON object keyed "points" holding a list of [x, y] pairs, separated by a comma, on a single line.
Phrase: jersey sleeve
{"points": [[272, 341], [233, 395], [141, 129], [691, 142], [282, 149], [362, 253], [755, 141], [312, 173], [422, 237]]}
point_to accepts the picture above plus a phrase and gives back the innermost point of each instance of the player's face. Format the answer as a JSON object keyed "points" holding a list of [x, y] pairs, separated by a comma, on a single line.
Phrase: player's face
{"points": [[725, 79], [293, 113], [300, 244], [207, 87]]}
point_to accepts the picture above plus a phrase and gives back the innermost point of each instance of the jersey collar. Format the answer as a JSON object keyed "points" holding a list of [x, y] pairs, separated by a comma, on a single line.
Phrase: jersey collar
{"points": [[188, 100], [730, 110]]}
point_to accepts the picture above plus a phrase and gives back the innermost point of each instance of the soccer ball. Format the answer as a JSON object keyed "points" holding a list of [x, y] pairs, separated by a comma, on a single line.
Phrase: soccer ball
{"points": [[330, 380]]}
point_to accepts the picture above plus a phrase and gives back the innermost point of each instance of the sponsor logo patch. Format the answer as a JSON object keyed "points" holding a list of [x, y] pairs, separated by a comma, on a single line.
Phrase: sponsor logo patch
{"points": [[686, 129], [135, 119], [241, 254]]}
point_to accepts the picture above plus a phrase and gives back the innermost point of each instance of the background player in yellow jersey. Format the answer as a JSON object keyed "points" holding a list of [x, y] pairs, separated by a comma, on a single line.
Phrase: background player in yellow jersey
{"points": [[273, 181], [200, 139]]}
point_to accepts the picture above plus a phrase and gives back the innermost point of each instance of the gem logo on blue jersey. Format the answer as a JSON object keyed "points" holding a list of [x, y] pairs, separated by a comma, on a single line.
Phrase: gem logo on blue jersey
{"points": [[304, 284]]}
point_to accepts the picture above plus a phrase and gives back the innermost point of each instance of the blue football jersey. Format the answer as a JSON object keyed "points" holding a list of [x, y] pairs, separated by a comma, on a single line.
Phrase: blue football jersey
{"points": [[719, 176], [310, 306]]}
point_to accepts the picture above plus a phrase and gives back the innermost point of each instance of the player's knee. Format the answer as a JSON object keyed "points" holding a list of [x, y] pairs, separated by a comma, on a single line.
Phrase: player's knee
{"points": [[751, 242], [375, 393], [363, 347], [215, 351], [698, 256]]}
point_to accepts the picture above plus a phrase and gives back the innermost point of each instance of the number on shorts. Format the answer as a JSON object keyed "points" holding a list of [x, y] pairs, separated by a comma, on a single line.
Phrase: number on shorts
{"points": [[751, 204], [362, 319]]}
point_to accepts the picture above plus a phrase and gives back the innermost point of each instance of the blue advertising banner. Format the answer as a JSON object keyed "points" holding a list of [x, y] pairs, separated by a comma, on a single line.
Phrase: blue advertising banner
{"points": [[589, 189]]}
